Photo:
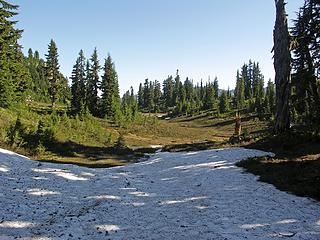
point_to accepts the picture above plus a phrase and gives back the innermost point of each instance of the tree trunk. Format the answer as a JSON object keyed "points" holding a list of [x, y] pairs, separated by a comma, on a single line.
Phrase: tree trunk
{"points": [[282, 66]]}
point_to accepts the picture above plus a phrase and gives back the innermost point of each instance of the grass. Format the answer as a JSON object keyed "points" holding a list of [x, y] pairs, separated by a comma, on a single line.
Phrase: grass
{"points": [[92, 141]]}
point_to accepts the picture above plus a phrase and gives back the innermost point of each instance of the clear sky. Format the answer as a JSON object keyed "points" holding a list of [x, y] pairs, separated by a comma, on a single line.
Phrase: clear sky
{"points": [[153, 38]]}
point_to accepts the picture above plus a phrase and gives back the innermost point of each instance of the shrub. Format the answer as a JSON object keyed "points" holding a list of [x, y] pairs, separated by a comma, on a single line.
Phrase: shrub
{"points": [[15, 134]]}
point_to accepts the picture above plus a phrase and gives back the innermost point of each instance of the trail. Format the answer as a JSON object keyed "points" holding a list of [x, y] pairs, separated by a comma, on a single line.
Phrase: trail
{"points": [[194, 195]]}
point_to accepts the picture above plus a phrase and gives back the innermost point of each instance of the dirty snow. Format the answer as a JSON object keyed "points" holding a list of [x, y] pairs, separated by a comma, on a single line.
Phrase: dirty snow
{"points": [[195, 195]]}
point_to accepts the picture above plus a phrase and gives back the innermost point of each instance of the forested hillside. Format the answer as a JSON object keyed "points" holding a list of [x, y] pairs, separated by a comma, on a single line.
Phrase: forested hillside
{"points": [[37, 101]]}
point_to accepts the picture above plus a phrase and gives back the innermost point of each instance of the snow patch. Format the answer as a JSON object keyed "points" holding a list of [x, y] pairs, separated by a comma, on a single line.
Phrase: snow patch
{"points": [[16, 224], [187, 195]]}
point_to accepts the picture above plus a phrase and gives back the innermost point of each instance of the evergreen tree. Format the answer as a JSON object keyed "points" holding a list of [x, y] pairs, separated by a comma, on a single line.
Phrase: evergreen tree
{"points": [[176, 89], [141, 96], [14, 76], [150, 101], [209, 100], [146, 94], [216, 87], [257, 77], [306, 63], [188, 85], [223, 102], [52, 71], [239, 91], [157, 95], [247, 81], [270, 96], [78, 85], [110, 102], [93, 82], [168, 92]]}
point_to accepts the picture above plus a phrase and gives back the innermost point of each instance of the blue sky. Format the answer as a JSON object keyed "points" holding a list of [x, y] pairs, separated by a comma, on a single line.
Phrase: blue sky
{"points": [[153, 38]]}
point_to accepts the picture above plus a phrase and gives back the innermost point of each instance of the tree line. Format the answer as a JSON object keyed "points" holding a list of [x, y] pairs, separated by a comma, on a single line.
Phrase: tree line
{"points": [[187, 97], [95, 89]]}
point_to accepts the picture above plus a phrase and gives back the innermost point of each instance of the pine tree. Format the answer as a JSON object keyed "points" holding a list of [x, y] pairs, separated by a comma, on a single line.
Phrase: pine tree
{"points": [[247, 81], [209, 100], [256, 79], [157, 95], [110, 99], [52, 72], [39, 82], [239, 91], [150, 97], [223, 102], [78, 85], [93, 82], [14, 76], [168, 92], [176, 89], [216, 87], [306, 63], [270, 96], [188, 86], [146, 94], [140, 97]]}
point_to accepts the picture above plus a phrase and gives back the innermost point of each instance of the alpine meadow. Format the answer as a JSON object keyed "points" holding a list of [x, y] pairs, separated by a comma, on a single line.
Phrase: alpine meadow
{"points": [[107, 143]]}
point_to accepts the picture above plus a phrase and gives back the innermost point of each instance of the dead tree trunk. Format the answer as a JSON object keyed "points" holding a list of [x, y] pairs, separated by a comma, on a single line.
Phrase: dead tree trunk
{"points": [[282, 67]]}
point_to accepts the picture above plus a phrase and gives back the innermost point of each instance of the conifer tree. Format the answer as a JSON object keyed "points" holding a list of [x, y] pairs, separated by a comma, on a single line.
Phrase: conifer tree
{"points": [[270, 96], [209, 100], [223, 102], [93, 82], [188, 86], [168, 91], [78, 85], [157, 95], [176, 89], [146, 94], [110, 99], [247, 81], [306, 62], [239, 91], [14, 76], [151, 97], [52, 71], [216, 87], [140, 96]]}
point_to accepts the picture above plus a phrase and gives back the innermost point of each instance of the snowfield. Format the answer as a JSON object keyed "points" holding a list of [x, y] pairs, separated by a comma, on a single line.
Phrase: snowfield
{"points": [[194, 195]]}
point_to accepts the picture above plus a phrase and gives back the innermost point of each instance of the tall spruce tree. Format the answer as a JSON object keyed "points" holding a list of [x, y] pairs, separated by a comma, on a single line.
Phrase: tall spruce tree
{"points": [[188, 86], [110, 99], [270, 96], [239, 91], [223, 102], [306, 62], [168, 92], [52, 71], [14, 76], [157, 95], [78, 85], [176, 89], [93, 82], [216, 87], [140, 97]]}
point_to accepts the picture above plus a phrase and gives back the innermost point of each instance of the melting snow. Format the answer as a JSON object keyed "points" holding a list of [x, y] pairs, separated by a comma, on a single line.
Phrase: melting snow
{"points": [[195, 195]]}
